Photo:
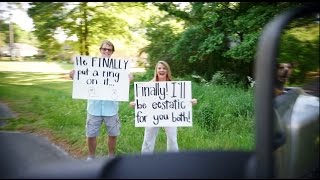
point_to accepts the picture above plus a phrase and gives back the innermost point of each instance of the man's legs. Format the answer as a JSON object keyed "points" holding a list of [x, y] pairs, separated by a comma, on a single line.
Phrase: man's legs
{"points": [[111, 142], [92, 144], [113, 127], [93, 124]]}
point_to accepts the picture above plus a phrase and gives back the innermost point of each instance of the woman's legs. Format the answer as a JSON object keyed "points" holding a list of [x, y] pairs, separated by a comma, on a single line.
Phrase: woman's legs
{"points": [[149, 140], [172, 142]]}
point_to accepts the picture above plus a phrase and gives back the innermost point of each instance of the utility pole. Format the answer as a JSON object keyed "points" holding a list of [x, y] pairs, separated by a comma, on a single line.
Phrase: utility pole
{"points": [[11, 37]]}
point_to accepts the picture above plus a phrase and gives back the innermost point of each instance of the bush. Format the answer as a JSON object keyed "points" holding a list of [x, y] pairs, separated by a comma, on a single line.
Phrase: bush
{"points": [[219, 78], [206, 116]]}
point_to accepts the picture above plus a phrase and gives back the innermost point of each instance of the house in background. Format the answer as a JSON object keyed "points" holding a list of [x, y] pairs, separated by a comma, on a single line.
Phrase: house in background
{"points": [[19, 50]]}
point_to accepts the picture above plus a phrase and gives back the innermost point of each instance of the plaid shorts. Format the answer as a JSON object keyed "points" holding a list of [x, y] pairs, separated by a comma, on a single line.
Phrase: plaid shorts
{"points": [[94, 123]]}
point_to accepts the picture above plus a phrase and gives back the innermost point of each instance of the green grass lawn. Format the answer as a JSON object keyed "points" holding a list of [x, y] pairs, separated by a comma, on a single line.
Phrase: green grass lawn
{"points": [[222, 119]]}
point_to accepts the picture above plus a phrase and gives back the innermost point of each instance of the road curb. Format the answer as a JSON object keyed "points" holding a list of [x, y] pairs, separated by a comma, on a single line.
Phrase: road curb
{"points": [[5, 112]]}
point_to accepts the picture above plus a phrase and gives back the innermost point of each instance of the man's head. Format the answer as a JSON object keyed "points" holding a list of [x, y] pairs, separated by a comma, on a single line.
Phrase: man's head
{"points": [[106, 48], [284, 71]]}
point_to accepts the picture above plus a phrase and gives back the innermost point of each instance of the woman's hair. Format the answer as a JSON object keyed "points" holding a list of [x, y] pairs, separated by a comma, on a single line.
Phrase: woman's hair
{"points": [[107, 42], [166, 65]]}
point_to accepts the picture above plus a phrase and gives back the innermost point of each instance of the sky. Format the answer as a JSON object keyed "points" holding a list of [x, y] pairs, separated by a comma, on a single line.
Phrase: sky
{"points": [[19, 17], [23, 20]]}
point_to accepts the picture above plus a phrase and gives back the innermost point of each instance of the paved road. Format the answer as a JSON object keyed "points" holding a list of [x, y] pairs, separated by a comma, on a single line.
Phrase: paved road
{"points": [[19, 151], [25, 153]]}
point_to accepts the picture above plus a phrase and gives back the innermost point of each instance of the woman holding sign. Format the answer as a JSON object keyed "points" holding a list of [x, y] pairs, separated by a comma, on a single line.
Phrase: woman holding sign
{"points": [[162, 72]]}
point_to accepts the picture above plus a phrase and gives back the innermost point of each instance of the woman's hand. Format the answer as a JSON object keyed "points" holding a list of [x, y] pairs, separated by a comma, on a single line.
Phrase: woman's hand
{"points": [[132, 104], [194, 101]]}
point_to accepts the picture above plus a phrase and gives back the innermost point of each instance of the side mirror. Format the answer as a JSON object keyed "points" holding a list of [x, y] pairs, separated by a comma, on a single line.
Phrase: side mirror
{"points": [[266, 73]]}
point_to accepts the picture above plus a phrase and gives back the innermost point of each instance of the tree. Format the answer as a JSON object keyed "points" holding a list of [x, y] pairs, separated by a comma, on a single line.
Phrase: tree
{"points": [[300, 45], [220, 36], [89, 22], [47, 18]]}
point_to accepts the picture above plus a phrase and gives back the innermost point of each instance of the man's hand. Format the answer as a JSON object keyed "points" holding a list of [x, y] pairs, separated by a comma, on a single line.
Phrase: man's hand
{"points": [[71, 73], [130, 77]]}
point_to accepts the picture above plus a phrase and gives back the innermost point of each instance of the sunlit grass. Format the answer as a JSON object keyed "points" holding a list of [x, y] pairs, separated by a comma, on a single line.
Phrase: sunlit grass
{"points": [[36, 78], [222, 119]]}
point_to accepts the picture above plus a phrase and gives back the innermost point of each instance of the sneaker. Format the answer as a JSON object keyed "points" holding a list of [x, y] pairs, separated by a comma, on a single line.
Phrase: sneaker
{"points": [[90, 158], [111, 156]]}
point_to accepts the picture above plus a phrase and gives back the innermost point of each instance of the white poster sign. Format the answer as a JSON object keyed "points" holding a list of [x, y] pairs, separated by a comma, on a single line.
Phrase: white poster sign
{"points": [[101, 78], [163, 104]]}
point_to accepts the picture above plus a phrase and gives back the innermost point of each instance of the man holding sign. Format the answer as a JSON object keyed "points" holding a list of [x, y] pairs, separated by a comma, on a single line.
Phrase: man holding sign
{"points": [[163, 103], [101, 87]]}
